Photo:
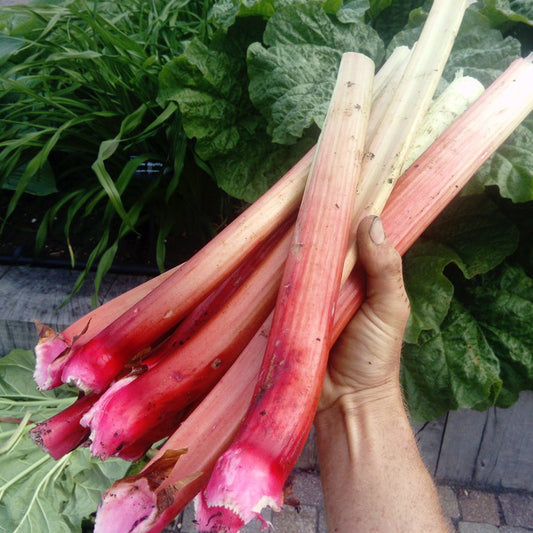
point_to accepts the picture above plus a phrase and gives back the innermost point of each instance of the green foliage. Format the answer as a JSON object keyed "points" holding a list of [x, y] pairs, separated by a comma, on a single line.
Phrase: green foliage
{"points": [[79, 115], [37, 493]]}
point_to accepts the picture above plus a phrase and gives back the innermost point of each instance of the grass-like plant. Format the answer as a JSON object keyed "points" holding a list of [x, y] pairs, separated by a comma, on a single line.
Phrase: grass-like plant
{"points": [[79, 117]]}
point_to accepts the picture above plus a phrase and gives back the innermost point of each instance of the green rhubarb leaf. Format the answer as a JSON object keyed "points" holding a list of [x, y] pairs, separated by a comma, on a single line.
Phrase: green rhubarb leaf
{"points": [[208, 85], [503, 12], [247, 178], [223, 13], [292, 74], [511, 167], [502, 303], [353, 11], [37, 493], [451, 367], [475, 236]]}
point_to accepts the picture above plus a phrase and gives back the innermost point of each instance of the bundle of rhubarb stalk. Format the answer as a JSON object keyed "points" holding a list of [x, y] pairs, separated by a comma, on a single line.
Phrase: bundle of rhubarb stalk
{"points": [[218, 363]]}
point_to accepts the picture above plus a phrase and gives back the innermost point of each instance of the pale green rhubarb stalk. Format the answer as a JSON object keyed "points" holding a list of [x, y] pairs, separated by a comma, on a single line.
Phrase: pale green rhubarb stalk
{"points": [[251, 473], [197, 277], [281, 415], [387, 148], [411, 101], [148, 502], [454, 100]]}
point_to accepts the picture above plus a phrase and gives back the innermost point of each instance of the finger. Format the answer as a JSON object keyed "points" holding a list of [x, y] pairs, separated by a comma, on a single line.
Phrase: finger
{"points": [[386, 296]]}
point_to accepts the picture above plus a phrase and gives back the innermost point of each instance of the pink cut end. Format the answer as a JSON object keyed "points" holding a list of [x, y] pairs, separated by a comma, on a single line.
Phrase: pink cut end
{"points": [[90, 369], [127, 508], [241, 485], [98, 422], [50, 347]]}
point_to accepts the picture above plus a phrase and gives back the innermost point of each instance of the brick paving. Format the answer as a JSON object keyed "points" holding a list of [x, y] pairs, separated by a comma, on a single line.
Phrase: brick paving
{"points": [[467, 510]]}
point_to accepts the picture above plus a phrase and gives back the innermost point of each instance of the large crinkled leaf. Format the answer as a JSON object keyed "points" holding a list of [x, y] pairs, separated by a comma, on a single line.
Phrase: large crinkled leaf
{"points": [[292, 74], [223, 13], [38, 493], [451, 367], [353, 10], [208, 87], [471, 233], [502, 303], [299, 97], [249, 177], [502, 12], [511, 167]]}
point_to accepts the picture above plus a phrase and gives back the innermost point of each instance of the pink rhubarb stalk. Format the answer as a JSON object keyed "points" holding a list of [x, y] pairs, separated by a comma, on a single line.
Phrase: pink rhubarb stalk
{"points": [[62, 433], [142, 505], [126, 415], [252, 472], [53, 348], [94, 364], [209, 429]]}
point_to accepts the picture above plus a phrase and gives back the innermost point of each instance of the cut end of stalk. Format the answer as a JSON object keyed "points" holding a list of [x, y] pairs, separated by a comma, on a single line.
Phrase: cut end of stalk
{"points": [[36, 435], [134, 504], [127, 507], [241, 485], [98, 422], [89, 372], [50, 347]]}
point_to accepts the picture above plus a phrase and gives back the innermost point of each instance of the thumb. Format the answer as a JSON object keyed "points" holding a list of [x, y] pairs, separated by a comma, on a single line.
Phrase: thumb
{"points": [[387, 300]]}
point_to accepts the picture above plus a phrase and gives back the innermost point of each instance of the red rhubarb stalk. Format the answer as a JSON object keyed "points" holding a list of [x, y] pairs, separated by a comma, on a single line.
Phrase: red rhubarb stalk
{"points": [[252, 472], [127, 414], [93, 365], [63, 433], [53, 348], [209, 429], [205, 434]]}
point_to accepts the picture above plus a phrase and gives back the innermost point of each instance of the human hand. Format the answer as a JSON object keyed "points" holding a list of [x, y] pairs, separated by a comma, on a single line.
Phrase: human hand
{"points": [[365, 361]]}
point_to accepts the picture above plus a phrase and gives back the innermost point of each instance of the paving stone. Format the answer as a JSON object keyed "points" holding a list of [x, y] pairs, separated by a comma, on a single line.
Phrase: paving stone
{"points": [[517, 509], [448, 502], [188, 526], [477, 527], [306, 488], [511, 529], [291, 521], [478, 506]]}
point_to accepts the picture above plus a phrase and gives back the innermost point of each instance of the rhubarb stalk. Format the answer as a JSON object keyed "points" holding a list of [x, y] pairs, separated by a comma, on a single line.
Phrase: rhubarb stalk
{"points": [[251, 473], [53, 348], [412, 99]]}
